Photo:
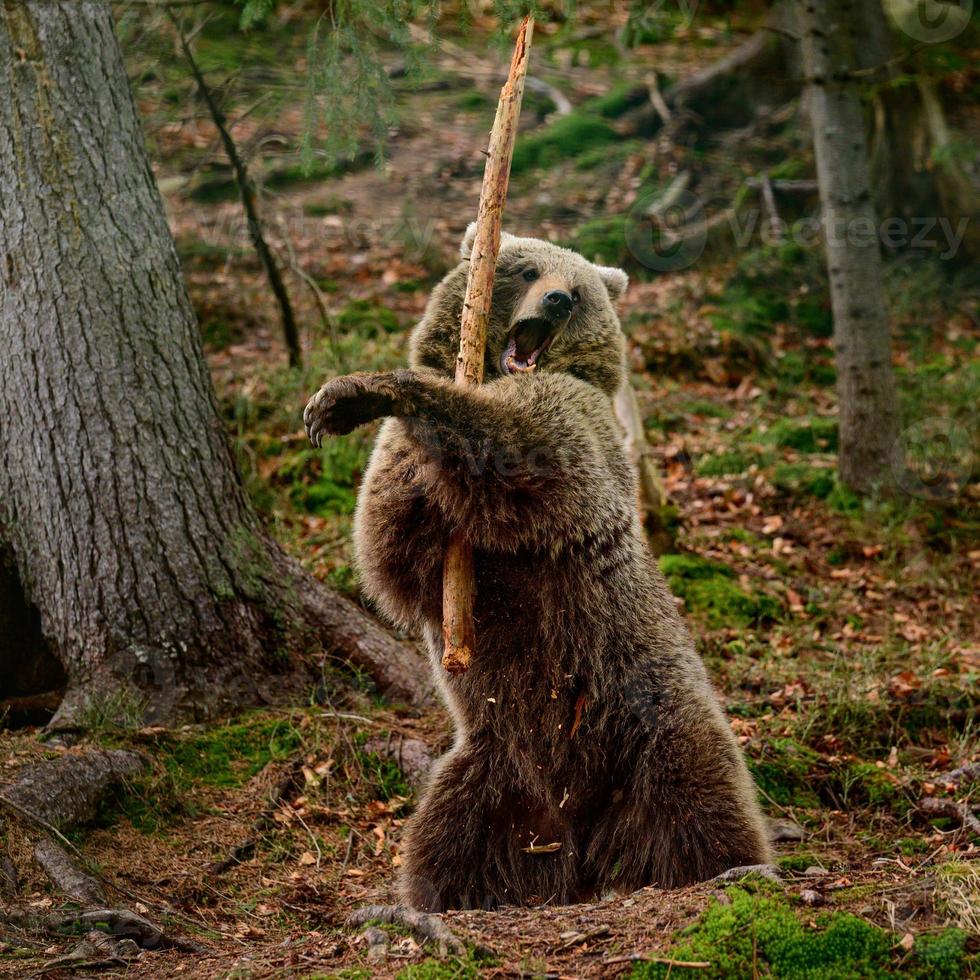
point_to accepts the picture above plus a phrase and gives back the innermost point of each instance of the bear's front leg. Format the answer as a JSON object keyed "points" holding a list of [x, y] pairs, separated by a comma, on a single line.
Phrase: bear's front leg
{"points": [[343, 404]]}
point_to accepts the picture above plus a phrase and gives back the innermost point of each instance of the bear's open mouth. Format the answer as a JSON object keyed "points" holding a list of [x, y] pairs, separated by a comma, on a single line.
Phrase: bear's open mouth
{"points": [[528, 340]]}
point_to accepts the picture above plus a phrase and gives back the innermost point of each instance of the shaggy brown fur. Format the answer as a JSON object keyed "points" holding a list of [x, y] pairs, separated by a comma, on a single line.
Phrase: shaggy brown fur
{"points": [[591, 752]]}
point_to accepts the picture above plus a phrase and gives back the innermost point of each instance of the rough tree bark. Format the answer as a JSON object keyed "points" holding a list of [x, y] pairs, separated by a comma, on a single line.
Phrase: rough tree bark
{"points": [[830, 34], [120, 502]]}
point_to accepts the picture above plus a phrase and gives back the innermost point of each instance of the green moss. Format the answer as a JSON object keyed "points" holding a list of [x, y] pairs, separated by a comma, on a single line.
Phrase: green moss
{"points": [[711, 595], [760, 934], [325, 481], [603, 239], [942, 956], [798, 862], [223, 756], [454, 968], [813, 435], [564, 139], [724, 464], [387, 776], [615, 102], [784, 770], [803, 480], [366, 318]]}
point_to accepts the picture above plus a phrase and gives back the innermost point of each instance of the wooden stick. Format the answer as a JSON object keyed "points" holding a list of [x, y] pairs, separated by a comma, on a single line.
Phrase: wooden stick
{"points": [[458, 582]]}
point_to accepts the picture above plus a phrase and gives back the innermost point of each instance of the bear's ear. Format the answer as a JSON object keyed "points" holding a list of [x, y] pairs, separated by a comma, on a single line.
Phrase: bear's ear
{"points": [[466, 245], [615, 280]]}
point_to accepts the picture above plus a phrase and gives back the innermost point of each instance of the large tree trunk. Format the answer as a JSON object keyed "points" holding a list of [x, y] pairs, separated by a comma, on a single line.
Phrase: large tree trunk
{"points": [[869, 419], [119, 497]]}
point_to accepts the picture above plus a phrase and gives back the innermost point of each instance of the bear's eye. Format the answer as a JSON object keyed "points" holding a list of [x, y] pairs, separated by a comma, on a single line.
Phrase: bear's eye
{"points": [[576, 297], [530, 274]]}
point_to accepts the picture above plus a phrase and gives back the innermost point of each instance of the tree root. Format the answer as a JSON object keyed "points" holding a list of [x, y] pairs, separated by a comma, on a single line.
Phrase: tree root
{"points": [[66, 876], [423, 924], [53, 795], [769, 871], [960, 812], [969, 773], [67, 790], [413, 757], [9, 885]]}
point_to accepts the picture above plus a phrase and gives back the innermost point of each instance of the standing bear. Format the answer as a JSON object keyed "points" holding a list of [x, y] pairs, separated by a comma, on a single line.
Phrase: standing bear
{"points": [[590, 753]]}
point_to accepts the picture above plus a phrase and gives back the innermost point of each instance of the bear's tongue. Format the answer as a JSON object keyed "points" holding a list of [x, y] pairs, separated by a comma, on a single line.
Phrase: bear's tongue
{"points": [[526, 343]]}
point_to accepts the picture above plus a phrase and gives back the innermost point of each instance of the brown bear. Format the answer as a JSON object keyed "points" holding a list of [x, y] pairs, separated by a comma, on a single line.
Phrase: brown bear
{"points": [[591, 752]]}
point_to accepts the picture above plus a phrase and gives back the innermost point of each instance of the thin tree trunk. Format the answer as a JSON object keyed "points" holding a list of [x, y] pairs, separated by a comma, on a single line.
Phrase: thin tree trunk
{"points": [[157, 587], [869, 419], [246, 190]]}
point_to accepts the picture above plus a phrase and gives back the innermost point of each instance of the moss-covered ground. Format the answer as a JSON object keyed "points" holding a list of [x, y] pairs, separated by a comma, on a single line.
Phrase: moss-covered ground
{"points": [[841, 632]]}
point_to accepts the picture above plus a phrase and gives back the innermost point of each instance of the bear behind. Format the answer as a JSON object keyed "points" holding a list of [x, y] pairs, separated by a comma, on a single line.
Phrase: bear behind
{"points": [[590, 749]]}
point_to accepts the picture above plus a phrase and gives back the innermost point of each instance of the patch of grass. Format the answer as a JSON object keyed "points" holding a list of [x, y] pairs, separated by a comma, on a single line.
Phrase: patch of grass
{"points": [[760, 934], [454, 968], [473, 100], [724, 464], [223, 756], [812, 435], [615, 102], [801, 479], [564, 139], [705, 408], [332, 204], [324, 481], [711, 594], [366, 318], [603, 240], [783, 770], [386, 775]]}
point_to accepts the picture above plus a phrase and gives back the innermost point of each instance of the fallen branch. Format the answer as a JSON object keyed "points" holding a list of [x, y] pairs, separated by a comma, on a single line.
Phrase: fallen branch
{"points": [[458, 581], [964, 774], [960, 812], [558, 98], [423, 924]]}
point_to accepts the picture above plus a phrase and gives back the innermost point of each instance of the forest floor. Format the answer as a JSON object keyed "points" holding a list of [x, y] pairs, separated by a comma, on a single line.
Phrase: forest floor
{"points": [[842, 634]]}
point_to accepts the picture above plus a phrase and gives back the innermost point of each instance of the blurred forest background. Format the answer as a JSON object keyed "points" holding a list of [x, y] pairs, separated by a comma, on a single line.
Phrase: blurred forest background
{"points": [[835, 603]]}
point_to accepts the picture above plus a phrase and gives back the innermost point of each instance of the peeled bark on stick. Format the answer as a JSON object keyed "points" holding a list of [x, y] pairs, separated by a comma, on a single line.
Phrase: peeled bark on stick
{"points": [[458, 582]]}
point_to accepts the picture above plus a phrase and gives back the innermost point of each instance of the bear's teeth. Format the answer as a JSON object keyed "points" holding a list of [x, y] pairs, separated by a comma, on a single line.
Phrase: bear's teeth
{"points": [[513, 365]]}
